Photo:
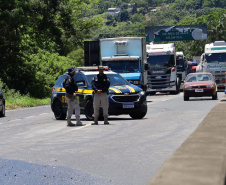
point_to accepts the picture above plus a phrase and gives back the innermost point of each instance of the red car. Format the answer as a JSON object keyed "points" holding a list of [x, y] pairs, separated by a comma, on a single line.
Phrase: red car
{"points": [[198, 85]]}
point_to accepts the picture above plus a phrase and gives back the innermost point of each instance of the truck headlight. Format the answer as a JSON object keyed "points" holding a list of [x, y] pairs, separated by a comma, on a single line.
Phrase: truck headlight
{"points": [[136, 82], [141, 93]]}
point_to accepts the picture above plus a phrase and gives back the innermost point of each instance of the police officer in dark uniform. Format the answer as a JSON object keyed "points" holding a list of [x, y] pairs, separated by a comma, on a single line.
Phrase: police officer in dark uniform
{"points": [[100, 85], [72, 102]]}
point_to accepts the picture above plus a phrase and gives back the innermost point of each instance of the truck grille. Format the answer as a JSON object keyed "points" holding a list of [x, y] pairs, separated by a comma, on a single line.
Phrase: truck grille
{"points": [[159, 81], [218, 76], [125, 98]]}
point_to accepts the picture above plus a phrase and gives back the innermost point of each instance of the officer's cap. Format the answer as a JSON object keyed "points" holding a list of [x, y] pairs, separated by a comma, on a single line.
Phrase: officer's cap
{"points": [[100, 67], [71, 70]]}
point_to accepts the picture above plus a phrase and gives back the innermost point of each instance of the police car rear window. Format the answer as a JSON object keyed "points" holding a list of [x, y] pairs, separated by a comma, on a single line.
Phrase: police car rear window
{"points": [[60, 81]]}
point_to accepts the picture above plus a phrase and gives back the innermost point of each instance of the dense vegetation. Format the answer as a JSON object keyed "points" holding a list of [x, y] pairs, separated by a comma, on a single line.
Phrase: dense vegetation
{"points": [[40, 39]]}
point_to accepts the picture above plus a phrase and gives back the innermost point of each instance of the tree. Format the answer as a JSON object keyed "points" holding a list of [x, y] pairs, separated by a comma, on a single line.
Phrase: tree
{"points": [[124, 16], [28, 27]]}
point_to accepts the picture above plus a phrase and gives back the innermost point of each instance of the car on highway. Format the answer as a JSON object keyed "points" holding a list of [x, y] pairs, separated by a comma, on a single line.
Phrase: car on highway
{"points": [[199, 85], [2, 104], [124, 98]]}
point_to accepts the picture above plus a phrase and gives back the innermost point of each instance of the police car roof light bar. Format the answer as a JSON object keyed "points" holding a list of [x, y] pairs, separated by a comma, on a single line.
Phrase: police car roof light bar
{"points": [[91, 68]]}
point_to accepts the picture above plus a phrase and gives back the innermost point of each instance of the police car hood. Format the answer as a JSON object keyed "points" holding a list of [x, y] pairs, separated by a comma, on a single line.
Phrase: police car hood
{"points": [[122, 89]]}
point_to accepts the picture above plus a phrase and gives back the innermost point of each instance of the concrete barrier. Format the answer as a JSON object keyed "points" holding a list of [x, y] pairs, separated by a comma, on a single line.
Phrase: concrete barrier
{"points": [[201, 159]]}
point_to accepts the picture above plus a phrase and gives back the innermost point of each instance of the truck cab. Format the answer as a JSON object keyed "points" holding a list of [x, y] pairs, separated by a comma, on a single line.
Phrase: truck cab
{"points": [[162, 69], [126, 56], [213, 60]]}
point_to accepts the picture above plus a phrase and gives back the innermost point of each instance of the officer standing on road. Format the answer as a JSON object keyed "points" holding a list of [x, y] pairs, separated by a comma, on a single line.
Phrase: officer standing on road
{"points": [[72, 102], [100, 85]]}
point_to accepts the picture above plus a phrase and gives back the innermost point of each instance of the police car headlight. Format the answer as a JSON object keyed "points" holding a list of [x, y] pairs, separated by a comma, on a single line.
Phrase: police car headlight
{"points": [[142, 93]]}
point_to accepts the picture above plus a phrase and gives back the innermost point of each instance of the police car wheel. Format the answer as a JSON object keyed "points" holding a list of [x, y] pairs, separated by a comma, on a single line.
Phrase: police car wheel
{"points": [[89, 110], [140, 113], [58, 110]]}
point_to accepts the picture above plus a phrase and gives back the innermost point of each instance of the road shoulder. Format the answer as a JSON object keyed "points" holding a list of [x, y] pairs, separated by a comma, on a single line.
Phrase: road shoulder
{"points": [[201, 159]]}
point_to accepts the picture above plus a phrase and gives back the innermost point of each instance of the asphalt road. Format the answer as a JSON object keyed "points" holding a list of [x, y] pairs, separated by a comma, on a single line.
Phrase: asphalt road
{"points": [[37, 149]]}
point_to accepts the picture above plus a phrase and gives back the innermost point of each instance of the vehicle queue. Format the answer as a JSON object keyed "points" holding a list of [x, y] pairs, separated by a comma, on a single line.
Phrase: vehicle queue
{"points": [[125, 97]]}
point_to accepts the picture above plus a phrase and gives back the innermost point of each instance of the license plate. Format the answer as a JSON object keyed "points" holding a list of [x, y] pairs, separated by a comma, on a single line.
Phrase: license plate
{"points": [[128, 105], [198, 90]]}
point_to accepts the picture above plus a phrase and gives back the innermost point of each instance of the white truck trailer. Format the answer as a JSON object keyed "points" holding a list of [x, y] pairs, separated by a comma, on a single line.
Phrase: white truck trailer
{"points": [[126, 56], [213, 60], [162, 72]]}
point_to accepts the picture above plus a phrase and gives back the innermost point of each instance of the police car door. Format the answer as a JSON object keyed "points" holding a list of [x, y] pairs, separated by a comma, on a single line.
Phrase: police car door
{"points": [[81, 83]]}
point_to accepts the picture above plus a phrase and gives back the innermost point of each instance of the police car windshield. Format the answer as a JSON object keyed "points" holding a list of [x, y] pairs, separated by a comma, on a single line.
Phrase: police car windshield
{"points": [[115, 79]]}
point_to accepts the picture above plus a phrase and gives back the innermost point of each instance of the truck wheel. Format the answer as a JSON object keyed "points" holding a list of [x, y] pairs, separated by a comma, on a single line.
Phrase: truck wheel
{"points": [[89, 110], [178, 86], [186, 98], [2, 112], [58, 110], [140, 113]]}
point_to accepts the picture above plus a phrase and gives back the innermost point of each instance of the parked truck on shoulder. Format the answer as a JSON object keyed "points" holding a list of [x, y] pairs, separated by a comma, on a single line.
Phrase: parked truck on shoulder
{"points": [[213, 60], [162, 69]]}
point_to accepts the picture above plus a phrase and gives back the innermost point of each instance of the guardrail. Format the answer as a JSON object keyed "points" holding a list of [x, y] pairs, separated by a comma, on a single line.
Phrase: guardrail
{"points": [[201, 159]]}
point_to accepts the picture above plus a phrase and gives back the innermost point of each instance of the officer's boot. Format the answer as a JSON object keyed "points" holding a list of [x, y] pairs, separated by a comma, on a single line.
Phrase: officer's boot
{"points": [[95, 121], [69, 123], [78, 122], [106, 120]]}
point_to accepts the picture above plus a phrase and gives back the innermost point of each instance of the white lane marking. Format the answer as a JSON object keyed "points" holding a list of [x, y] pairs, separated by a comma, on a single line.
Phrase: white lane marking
{"points": [[25, 108], [29, 117], [14, 120], [81, 127], [44, 114]]}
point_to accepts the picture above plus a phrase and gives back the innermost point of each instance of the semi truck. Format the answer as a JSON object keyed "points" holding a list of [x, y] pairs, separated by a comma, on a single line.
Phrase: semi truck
{"points": [[126, 56], [213, 60], [91, 53], [181, 67], [162, 69]]}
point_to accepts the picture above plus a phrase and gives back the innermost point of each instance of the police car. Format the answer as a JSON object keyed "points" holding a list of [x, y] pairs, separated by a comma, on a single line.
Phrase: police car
{"points": [[124, 98]]}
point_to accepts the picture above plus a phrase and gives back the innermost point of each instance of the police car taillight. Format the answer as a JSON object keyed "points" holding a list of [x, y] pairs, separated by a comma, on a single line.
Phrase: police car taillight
{"points": [[52, 89]]}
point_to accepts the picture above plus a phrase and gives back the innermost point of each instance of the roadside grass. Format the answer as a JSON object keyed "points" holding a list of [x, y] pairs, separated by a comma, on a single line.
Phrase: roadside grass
{"points": [[14, 100]]}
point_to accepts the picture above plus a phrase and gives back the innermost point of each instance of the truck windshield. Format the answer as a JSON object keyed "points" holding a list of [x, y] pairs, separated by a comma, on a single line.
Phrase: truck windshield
{"points": [[215, 57], [161, 61], [123, 66], [180, 64], [115, 79]]}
